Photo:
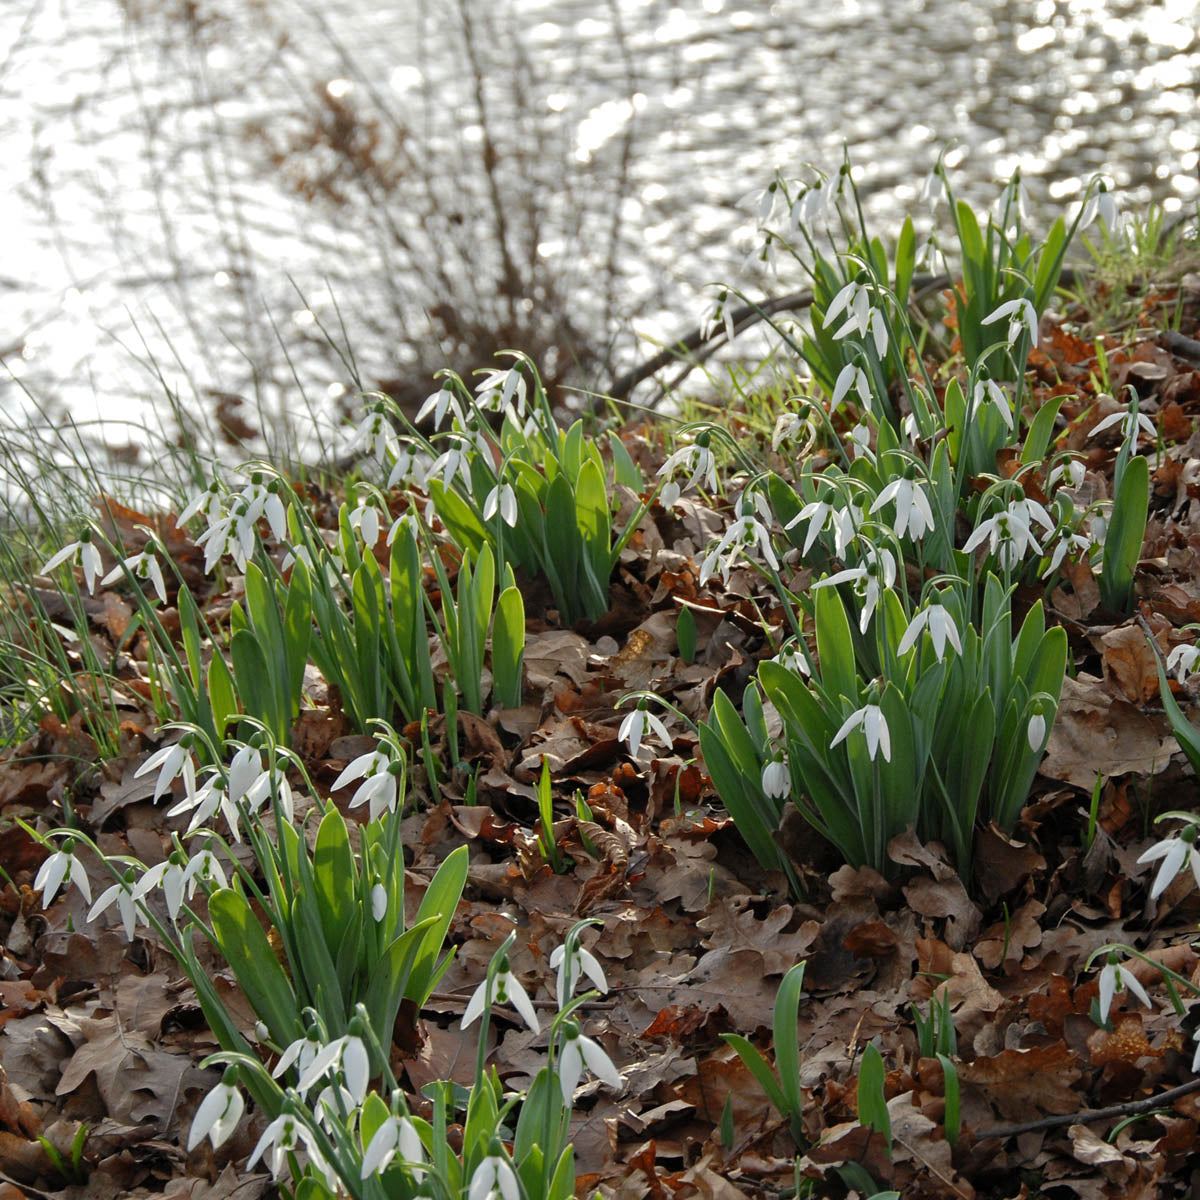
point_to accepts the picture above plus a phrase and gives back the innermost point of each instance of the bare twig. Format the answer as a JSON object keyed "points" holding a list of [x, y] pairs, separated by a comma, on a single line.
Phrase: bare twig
{"points": [[1092, 1114]]}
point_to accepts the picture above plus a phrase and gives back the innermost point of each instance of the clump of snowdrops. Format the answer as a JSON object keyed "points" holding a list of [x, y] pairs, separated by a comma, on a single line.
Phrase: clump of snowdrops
{"points": [[904, 690]]}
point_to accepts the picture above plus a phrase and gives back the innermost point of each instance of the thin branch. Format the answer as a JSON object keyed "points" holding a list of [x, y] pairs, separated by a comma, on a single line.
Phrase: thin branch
{"points": [[1092, 1114]]}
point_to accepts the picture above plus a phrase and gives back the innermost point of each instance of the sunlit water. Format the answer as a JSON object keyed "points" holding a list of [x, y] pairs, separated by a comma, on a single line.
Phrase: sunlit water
{"points": [[172, 223]]}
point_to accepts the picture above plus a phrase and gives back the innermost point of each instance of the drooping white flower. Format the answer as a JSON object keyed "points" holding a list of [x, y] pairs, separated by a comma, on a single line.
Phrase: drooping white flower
{"points": [[913, 513], [582, 962], [793, 658], [777, 779], [122, 893], [940, 625], [140, 566], [350, 1053], [633, 728], [859, 442], [933, 190], [1182, 660], [855, 299], [698, 460], [503, 389], [851, 375], [1133, 424], [1008, 535], [1072, 471], [879, 332], [287, 1135], [988, 391], [376, 434], [1115, 977], [874, 726], [171, 876], [380, 787], [210, 503], [171, 761], [494, 1178], [577, 1051], [1176, 852], [875, 573], [85, 553], [218, 1115], [395, 1135], [62, 864], [1035, 731], [1022, 316], [439, 402], [749, 530], [503, 500], [507, 990]]}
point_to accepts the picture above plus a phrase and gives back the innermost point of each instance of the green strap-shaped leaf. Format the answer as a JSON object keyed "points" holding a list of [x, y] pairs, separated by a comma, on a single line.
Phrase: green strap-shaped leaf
{"points": [[757, 1066], [787, 1045], [245, 947], [872, 1105], [440, 901], [335, 878], [1126, 529], [508, 648]]}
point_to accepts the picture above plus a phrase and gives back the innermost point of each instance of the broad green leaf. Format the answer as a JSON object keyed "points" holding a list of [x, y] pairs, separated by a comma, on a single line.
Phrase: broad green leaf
{"points": [[508, 648], [1126, 529], [1041, 429], [872, 1105], [335, 878], [245, 947], [757, 1066]]}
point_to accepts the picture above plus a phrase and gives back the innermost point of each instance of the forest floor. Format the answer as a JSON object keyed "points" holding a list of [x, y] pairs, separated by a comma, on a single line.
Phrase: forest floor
{"points": [[693, 934]]}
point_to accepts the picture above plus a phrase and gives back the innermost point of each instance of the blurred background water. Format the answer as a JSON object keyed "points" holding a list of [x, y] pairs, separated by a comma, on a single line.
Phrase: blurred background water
{"points": [[208, 198]]}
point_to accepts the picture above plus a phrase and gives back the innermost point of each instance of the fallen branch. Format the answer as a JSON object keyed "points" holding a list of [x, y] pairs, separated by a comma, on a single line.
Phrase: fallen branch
{"points": [[1092, 1114]]}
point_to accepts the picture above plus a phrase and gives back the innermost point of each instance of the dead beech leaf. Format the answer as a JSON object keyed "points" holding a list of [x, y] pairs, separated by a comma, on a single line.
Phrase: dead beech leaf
{"points": [[1129, 662], [1096, 734], [1007, 941], [1022, 1083], [1087, 1147], [1126, 1044]]}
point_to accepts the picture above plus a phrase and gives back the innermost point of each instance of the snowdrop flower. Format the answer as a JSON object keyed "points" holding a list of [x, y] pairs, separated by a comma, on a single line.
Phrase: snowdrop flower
{"points": [[940, 625], [1022, 315], [140, 566], [499, 389], [851, 376], [1035, 731], [578, 1050], [395, 1135], [1008, 535], [351, 1054], [503, 500], [1132, 422], [508, 990], [874, 726], [1013, 200], [1072, 472], [171, 876], [210, 503], [122, 893], [788, 427], [258, 500], [286, 1135], [1182, 660], [376, 433], [85, 553], [202, 868], [380, 785], [1114, 978], [365, 519], [204, 802], [1176, 851], [59, 866], [450, 463], [750, 529], [1101, 203], [696, 458], [379, 902], [406, 468], [230, 535], [1077, 543], [855, 300], [633, 728], [792, 658], [171, 761], [933, 190], [777, 779], [879, 332], [301, 1052], [494, 1177], [720, 312], [1196, 1056], [913, 514], [988, 391], [860, 443], [876, 572], [581, 962], [817, 203], [218, 1114], [445, 398], [762, 200], [816, 513]]}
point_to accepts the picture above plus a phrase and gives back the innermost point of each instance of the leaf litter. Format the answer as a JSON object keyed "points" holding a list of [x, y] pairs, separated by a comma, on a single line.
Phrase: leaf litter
{"points": [[694, 935]]}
